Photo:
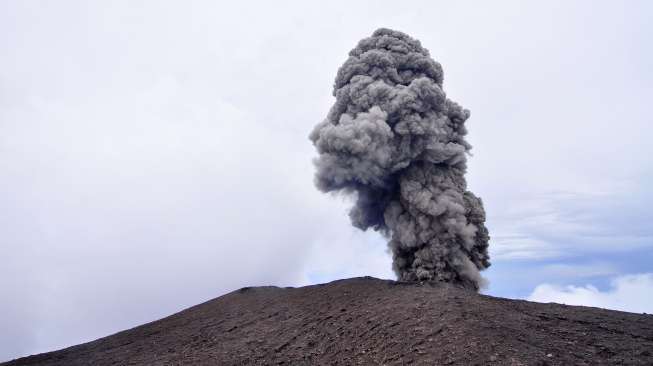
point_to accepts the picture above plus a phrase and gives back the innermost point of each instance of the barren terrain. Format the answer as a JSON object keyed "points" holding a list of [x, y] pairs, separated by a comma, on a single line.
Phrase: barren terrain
{"points": [[368, 321]]}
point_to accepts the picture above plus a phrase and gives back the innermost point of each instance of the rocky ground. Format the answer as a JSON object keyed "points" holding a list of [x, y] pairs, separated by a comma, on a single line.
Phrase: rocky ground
{"points": [[366, 321]]}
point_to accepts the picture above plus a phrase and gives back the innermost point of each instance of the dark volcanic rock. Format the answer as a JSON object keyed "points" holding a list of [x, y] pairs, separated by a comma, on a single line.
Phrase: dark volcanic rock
{"points": [[371, 322]]}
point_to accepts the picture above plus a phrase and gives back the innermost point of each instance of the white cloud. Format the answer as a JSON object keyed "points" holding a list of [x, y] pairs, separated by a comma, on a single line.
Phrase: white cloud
{"points": [[578, 270], [632, 293], [520, 246], [567, 224], [347, 247]]}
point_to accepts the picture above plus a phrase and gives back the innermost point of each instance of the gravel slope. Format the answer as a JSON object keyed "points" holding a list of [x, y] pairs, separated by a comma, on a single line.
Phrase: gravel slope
{"points": [[371, 322]]}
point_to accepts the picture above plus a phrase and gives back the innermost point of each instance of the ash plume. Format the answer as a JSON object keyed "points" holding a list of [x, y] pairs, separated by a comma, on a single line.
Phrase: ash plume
{"points": [[394, 141]]}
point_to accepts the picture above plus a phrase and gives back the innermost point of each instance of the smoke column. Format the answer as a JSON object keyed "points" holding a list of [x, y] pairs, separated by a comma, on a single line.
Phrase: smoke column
{"points": [[394, 141]]}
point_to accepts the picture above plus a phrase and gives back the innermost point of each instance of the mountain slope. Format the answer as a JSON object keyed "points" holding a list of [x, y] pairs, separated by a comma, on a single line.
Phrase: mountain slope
{"points": [[370, 321]]}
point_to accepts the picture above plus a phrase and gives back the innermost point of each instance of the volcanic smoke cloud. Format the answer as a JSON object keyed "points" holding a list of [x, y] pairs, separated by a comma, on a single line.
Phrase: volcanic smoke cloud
{"points": [[396, 142]]}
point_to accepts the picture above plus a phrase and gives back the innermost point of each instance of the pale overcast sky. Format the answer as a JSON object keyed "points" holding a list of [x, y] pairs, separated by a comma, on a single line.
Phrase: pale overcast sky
{"points": [[155, 154]]}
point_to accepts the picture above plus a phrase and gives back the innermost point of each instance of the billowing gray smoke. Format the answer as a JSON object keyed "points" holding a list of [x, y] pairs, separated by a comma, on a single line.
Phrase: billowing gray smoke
{"points": [[396, 142]]}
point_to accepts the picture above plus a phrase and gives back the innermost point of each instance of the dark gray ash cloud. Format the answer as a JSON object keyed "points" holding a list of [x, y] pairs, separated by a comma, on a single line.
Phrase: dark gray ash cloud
{"points": [[396, 142]]}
